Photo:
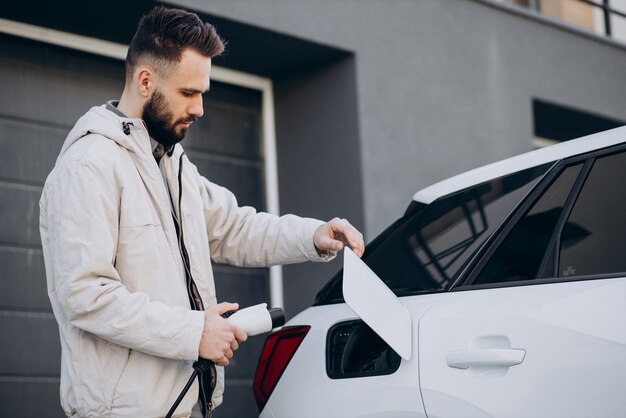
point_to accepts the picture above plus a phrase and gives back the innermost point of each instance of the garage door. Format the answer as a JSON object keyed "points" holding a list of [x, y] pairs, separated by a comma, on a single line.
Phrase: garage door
{"points": [[44, 90]]}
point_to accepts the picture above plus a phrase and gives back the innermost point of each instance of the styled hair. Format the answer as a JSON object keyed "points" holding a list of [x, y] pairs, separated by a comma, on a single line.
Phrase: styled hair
{"points": [[162, 36]]}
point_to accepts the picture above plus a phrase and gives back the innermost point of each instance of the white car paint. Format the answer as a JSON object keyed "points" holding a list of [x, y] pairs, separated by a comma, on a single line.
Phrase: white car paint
{"points": [[573, 335], [521, 162], [555, 325], [390, 396]]}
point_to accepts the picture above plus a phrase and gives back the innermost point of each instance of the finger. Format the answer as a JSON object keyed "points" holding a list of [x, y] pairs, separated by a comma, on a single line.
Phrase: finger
{"points": [[234, 345], [342, 227], [222, 362], [222, 308], [361, 248], [357, 243], [240, 334], [353, 233], [229, 353], [359, 251], [331, 244], [327, 239], [349, 235]]}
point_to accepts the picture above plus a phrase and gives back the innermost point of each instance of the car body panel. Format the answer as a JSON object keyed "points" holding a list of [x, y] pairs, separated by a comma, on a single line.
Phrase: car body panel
{"points": [[574, 338], [393, 395]]}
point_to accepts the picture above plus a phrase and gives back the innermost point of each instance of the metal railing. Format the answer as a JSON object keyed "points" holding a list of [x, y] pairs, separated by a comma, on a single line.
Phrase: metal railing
{"points": [[604, 5], [607, 10]]}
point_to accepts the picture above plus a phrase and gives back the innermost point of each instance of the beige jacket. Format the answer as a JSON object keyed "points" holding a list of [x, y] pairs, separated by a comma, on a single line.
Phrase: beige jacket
{"points": [[115, 273]]}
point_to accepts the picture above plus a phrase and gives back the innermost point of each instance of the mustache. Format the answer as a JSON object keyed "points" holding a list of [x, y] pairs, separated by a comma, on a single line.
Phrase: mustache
{"points": [[185, 120]]}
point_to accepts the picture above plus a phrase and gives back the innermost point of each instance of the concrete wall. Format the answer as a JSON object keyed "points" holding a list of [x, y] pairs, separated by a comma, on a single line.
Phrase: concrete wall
{"points": [[443, 86]]}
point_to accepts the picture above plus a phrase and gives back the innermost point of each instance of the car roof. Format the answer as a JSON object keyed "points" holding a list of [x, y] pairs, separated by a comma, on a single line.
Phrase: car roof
{"points": [[521, 162]]}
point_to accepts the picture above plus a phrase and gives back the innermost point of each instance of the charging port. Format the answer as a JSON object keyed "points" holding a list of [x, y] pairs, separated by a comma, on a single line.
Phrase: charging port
{"points": [[354, 350]]}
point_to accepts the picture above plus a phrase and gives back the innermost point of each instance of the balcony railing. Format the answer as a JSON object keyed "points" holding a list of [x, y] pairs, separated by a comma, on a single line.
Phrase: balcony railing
{"points": [[604, 17]]}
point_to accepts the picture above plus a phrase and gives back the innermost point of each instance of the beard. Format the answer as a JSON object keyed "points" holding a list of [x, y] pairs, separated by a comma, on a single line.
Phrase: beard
{"points": [[158, 119]]}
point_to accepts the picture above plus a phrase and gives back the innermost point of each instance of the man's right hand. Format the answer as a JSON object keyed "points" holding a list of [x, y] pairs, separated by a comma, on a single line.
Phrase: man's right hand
{"points": [[220, 338]]}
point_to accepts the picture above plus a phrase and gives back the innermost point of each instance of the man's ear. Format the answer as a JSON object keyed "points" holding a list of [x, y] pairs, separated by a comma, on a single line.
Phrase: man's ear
{"points": [[145, 81]]}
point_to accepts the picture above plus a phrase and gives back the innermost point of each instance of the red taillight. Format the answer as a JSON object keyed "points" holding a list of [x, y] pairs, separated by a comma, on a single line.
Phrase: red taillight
{"points": [[279, 348]]}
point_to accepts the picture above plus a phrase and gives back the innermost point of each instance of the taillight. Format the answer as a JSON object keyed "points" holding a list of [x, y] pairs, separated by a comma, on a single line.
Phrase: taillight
{"points": [[279, 348]]}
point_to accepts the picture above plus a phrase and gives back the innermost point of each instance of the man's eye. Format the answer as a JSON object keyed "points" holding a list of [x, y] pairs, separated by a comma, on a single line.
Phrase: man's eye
{"points": [[187, 94]]}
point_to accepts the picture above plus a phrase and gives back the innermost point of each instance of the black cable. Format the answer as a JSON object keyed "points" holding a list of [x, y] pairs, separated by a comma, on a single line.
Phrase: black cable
{"points": [[182, 394], [200, 366]]}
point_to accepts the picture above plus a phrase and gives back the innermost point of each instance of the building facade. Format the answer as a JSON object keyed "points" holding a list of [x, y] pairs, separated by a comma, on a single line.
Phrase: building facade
{"points": [[321, 108]]}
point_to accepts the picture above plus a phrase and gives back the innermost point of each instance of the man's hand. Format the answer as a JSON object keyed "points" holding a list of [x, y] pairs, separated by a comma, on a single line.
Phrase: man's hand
{"points": [[220, 338], [333, 235]]}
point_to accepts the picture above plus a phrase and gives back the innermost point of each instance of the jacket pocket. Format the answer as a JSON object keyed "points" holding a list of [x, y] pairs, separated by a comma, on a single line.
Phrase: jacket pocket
{"points": [[114, 393], [102, 364]]}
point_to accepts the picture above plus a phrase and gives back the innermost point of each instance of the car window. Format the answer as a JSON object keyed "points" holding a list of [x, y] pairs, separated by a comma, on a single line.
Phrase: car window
{"points": [[519, 257], [593, 240], [427, 249]]}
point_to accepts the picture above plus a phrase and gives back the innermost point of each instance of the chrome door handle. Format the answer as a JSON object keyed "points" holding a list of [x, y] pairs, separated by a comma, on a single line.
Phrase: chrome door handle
{"points": [[486, 357]]}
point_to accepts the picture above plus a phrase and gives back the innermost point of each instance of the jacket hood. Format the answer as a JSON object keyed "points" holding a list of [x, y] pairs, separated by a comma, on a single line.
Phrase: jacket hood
{"points": [[99, 120]]}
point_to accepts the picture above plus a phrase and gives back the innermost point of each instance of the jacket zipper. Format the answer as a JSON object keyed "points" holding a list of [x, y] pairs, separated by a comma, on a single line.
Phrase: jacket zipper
{"points": [[192, 291]]}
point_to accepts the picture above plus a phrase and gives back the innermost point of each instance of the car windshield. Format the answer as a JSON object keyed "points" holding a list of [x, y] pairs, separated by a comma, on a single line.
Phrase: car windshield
{"points": [[426, 249]]}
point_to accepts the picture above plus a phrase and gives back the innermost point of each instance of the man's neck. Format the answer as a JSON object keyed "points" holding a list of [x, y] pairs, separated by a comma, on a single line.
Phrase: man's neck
{"points": [[129, 107]]}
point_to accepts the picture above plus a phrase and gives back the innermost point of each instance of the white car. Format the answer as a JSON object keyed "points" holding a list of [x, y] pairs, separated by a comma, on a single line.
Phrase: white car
{"points": [[514, 279]]}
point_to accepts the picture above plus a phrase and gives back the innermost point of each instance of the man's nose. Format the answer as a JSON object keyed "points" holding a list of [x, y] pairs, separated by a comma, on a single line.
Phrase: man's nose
{"points": [[196, 108]]}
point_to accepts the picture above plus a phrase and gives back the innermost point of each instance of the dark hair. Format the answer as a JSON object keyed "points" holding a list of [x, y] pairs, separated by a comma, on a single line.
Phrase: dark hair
{"points": [[163, 35]]}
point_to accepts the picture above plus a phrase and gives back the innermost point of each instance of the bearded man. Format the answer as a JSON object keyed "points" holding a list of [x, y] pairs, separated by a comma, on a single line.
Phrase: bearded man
{"points": [[129, 230]]}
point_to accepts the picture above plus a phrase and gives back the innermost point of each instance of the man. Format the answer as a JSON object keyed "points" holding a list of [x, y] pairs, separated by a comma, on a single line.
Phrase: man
{"points": [[129, 229]]}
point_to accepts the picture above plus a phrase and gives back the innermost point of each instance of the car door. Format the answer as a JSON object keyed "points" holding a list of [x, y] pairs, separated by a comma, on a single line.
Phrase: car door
{"points": [[539, 327]]}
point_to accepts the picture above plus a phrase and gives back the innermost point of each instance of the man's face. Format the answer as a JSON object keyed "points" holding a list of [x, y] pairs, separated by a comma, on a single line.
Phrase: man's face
{"points": [[176, 101]]}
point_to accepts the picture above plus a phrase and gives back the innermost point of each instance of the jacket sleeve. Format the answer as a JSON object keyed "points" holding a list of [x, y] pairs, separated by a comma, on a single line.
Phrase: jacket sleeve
{"points": [[244, 237], [79, 226]]}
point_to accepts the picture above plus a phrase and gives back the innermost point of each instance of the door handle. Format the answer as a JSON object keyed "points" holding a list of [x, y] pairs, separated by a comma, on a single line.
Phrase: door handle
{"points": [[485, 357]]}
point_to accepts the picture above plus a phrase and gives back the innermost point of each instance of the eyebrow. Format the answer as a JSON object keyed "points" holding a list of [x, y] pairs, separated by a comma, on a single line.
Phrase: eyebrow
{"points": [[192, 90]]}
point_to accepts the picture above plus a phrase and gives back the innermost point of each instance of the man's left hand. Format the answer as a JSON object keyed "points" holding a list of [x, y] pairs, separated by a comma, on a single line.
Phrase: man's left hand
{"points": [[333, 235]]}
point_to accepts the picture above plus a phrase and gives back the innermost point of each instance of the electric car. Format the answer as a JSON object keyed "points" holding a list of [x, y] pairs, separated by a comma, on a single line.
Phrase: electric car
{"points": [[514, 279]]}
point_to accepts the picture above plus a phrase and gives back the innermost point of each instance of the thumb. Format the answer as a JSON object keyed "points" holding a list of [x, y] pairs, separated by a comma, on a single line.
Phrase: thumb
{"points": [[222, 308], [326, 242]]}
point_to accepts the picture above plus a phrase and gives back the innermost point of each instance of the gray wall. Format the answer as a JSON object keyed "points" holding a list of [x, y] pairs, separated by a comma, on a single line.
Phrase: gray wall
{"points": [[319, 176], [443, 85]]}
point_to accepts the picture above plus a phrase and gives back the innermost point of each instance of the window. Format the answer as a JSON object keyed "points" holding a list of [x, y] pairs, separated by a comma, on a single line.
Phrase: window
{"points": [[557, 123], [594, 238], [426, 250], [520, 255]]}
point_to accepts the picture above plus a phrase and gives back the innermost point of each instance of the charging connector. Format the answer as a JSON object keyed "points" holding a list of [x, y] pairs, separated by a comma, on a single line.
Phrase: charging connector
{"points": [[254, 320], [257, 319]]}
